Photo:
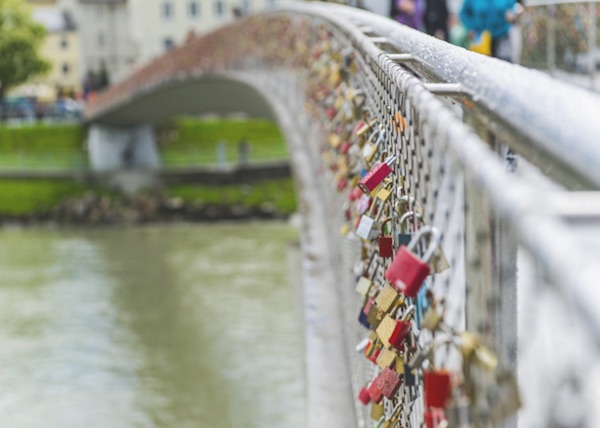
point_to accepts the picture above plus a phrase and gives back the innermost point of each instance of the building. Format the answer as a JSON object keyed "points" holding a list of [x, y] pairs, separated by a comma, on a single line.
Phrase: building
{"points": [[116, 35], [106, 41], [61, 48], [158, 25]]}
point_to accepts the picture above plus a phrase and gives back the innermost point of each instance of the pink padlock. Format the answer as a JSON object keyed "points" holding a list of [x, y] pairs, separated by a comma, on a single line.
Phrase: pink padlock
{"points": [[376, 175], [407, 271], [388, 382], [375, 393]]}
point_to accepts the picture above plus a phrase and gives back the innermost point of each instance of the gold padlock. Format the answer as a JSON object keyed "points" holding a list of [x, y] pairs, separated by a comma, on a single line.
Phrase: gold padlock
{"points": [[385, 329], [387, 298], [386, 358]]}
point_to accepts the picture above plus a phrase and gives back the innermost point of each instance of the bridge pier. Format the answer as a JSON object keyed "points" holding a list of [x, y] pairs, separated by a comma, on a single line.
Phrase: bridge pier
{"points": [[122, 148], [129, 154]]}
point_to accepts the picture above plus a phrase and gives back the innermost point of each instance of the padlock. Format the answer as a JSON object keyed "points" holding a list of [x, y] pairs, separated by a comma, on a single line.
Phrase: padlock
{"points": [[374, 392], [344, 147], [384, 192], [407, 271], [368, 226], [376, 175], [386, 358], [386, 244], [504, 398], [385, 328], [364, 396], [371, 148], [365, 281], [386, 298], [437, 385], [434, 418], [399, 122], [401, 329], [388, 382], [375, 316], [472, 349], [377, 411], [420, 356], [404, 238]]}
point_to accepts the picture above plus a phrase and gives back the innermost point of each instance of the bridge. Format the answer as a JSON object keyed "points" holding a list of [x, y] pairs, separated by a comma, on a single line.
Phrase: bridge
{"points": [[491, 169]]}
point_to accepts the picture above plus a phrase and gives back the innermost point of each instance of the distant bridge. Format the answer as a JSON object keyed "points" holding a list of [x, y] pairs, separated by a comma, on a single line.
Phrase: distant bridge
{"points": [[503, 161]]}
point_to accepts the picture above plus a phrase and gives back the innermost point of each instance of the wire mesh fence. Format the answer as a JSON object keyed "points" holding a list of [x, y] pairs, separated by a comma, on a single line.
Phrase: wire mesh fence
{"points": [[460, 282]]}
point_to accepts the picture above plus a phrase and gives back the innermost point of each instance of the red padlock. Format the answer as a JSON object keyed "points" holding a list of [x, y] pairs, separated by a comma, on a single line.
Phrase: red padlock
{"points": [[374, 177], [341, 184], [355, 194], [433, 418], [344, 147], [437, 387], [330, 113], [388, 382], [375, 393], [364, 396], [407, 271], [401, 330], [385, 242]]}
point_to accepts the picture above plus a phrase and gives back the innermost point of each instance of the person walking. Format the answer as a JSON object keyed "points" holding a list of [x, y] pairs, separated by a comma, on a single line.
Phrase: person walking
{"points": [[408, 12], [495, 18], [436, 18]]}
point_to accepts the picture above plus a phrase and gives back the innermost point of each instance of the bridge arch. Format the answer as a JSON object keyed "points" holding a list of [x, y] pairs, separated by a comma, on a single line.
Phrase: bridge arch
{"points": [[449, 117]]}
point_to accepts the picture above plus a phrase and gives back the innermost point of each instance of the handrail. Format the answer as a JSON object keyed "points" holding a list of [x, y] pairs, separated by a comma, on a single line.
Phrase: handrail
{"points": [[555, 124]]}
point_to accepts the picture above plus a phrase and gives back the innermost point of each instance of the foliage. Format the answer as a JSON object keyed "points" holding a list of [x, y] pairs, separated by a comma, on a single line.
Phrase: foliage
{"points": [[20, 38], [193, 141], [280, 193], [41, 138], [20, 197]]}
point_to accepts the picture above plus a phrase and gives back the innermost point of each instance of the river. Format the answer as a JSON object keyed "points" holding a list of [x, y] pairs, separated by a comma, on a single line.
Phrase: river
{"points": [[155, 326]]}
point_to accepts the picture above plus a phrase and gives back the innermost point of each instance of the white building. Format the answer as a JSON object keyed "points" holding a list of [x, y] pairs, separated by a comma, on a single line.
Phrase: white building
{"points": [[120, 34], [158, 25]]}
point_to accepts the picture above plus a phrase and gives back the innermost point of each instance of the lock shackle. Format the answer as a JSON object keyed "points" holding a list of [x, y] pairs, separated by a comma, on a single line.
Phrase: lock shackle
{"points": [[433, 243], [403, 200], [407, 312], [407, 215], [384, 223]]}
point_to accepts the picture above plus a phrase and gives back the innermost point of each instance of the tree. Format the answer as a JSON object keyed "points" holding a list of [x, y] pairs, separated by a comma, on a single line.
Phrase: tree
{"points": [[20, 38]]}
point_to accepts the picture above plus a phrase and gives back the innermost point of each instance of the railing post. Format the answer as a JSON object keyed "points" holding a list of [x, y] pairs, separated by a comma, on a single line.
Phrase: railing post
{"points": [[551, 39], [592, 42]]}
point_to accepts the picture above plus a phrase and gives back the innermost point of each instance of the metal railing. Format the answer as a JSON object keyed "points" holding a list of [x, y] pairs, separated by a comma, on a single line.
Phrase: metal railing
{"points": [[490, 154]]}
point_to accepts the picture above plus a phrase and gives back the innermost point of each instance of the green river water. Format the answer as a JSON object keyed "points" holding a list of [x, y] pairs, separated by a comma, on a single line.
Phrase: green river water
{"points": [[157, 326]]}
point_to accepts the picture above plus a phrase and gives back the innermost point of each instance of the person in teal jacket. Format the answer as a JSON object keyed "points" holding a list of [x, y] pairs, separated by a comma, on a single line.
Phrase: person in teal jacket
{"points": [[496, 16]]}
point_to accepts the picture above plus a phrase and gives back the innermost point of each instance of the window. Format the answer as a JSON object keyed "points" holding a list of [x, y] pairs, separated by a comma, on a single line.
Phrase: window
{"points": [[64, 42], [168, 43], [193, 9], [66, 68], [167, 10], [219, 8], [100, 40]]}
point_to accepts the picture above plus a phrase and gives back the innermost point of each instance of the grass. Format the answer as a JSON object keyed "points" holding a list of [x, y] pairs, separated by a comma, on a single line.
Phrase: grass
{"points": [[42, 146], [191, 141], [280, 193], [21, 197], [184, 141]]}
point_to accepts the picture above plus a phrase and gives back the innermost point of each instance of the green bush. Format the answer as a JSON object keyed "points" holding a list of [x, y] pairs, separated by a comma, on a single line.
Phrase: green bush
{"points": [[20, 197], [280, 193]]}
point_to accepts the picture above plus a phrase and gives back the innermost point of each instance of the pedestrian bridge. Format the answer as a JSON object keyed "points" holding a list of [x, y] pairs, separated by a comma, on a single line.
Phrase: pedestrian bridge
{"points": [[497, 166]]}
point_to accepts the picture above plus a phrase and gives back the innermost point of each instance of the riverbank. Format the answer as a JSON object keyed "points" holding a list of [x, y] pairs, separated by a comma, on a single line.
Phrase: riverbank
{"points": [[72, 203], [182, 143]]}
